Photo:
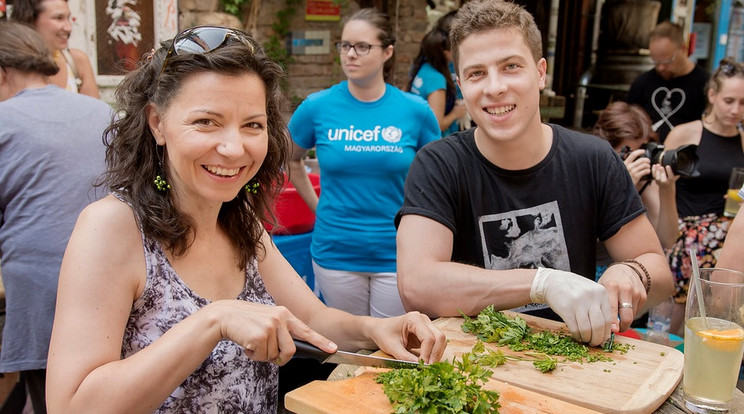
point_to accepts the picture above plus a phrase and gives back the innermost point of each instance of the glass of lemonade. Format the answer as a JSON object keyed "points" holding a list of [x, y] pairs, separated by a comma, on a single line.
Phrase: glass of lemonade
{"points": [[736, 180], [714, 344]]}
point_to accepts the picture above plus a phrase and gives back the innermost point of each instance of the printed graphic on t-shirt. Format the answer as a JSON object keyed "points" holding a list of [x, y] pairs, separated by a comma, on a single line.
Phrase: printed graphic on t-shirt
{"points": [[666, 102], [377, 139], [525, 239]]}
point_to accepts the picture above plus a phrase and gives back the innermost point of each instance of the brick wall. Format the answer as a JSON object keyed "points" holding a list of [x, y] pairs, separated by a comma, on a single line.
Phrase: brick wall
{"points": [[310, 73]]}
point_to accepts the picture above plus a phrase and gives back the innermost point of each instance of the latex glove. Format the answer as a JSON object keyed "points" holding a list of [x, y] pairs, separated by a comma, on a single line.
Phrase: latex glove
{"points": [[583, 304]]}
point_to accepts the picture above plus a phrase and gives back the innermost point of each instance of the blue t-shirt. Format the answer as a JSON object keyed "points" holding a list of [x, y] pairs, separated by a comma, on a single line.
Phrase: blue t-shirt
{"points": [[430, 80], [364, 150]]}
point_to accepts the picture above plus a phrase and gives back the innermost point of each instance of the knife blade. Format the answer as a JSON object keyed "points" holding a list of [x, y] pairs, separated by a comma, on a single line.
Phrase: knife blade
{"points": [[308, 350]]}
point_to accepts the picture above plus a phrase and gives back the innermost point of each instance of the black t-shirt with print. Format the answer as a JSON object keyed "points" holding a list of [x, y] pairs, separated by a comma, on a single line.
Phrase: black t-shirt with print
{"points": [[550, 215]]}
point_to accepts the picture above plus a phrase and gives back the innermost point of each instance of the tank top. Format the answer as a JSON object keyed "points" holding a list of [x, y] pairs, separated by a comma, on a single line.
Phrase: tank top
{"points": [[227, 381], [73, 82], [704, 194]]}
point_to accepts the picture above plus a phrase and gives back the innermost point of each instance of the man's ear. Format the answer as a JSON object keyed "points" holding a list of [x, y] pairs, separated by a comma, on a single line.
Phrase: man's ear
{"points": [[542, 70], [155, 121]]}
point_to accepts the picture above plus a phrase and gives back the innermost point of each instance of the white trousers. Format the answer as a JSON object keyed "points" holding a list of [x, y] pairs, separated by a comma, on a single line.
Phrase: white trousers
{"points": [[360, 293]]}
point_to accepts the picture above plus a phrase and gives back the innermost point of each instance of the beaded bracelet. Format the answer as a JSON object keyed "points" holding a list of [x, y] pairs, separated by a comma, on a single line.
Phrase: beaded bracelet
{"points": [[637, 272], [645, 272]]}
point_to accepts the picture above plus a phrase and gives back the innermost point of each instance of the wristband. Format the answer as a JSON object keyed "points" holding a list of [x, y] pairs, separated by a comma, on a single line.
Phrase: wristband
{"points": [[645, 272], [647, 282]]}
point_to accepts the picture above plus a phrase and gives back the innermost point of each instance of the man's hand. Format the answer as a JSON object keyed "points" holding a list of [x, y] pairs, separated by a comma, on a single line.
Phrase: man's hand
{"points": [[583, 304]]}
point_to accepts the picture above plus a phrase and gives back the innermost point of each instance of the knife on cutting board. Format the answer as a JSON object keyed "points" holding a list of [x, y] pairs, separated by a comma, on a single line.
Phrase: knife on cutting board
{"points": [[308, 350]]}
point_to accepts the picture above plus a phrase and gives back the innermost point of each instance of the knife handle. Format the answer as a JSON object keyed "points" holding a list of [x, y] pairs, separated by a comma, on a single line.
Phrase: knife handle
{"points": [[308, 350]]}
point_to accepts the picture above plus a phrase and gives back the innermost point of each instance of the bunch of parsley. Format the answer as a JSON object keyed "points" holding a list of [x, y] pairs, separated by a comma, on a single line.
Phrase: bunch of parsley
{"points": [[441, 387]]}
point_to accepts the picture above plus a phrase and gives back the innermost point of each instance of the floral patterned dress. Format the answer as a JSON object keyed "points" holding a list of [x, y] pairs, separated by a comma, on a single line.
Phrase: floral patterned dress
{"points": [[227, 381]]}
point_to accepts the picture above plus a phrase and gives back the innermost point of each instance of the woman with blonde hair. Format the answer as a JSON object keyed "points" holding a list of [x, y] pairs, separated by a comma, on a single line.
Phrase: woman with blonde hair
{"points": [[720, 139]]}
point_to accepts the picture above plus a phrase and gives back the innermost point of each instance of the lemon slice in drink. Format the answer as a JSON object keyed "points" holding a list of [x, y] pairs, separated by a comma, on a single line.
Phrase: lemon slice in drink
{"points": [[722, 339]]}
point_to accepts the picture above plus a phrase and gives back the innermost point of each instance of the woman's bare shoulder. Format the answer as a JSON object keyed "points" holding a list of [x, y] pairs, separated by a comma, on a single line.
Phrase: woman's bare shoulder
{"points": [[109, 219], [684, 134]]}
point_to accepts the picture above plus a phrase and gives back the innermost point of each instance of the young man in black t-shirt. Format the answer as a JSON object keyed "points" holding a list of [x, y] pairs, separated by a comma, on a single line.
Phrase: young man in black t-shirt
{"points": [[508, 213]]}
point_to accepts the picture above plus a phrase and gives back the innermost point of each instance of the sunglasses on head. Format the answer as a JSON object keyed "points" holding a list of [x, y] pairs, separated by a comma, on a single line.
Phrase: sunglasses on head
{"points": [[205, 39], [730, 69]]}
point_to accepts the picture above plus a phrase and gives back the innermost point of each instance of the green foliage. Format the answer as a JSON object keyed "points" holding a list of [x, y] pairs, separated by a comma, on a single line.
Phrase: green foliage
{"points": [[441, 387], [276, 46], [233, 7]]}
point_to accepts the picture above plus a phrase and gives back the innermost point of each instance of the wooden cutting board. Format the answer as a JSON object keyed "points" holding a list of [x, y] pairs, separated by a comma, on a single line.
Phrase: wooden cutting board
{"points": [[637, 382], [361, 394]]}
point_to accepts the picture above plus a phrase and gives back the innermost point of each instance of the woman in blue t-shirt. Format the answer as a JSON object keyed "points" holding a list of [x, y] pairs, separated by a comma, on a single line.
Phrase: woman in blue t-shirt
{"points": [[431, 79], [365, 132]]}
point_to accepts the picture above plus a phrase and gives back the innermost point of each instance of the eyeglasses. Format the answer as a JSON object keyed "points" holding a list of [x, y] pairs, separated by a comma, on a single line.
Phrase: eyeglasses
{"points": [[205, 39], [360, 49], [730, 69], [665, 61]]}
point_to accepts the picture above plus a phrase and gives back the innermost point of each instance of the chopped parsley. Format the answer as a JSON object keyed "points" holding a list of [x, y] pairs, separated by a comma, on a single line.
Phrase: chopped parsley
{"points": [[496, 326]]}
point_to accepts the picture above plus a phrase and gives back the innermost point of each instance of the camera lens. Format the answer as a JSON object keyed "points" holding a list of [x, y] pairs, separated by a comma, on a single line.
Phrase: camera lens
{"points": [[683, 160]]}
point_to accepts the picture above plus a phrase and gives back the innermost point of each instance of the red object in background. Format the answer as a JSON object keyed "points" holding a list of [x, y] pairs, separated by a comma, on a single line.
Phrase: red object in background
{"points": [[630, 333], [691, 44], [293, 215]]}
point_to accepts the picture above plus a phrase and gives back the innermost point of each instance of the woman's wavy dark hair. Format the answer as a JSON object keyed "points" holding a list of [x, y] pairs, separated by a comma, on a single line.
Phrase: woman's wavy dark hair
{"points": [[431, 51], [132, 155]]}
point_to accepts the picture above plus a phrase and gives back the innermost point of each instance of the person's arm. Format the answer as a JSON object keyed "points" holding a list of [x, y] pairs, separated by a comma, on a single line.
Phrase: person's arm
{"points": [[637, 241], [87, 76], [430, 282], [299, 178], [409, 337], [667, 224], [437, 102], [733, 246]]}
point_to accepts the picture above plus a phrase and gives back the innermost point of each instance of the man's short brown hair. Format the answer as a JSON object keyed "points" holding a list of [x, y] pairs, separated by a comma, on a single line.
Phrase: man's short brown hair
{"points": [[478, 16]]}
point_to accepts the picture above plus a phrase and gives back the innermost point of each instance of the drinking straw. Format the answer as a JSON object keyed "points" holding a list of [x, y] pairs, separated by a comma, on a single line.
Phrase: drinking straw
{"points": [[698, 287]]}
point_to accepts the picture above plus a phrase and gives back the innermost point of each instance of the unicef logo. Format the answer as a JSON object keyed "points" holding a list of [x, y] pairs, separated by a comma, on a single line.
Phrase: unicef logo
{"points": [[391, 134]]}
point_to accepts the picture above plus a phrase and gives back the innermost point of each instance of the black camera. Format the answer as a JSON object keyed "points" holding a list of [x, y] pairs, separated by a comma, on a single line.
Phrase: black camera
{"points": [[683, 160]]}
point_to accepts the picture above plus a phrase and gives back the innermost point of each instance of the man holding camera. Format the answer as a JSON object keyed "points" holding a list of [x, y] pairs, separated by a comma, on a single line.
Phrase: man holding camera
{"points": [[508, 213]]}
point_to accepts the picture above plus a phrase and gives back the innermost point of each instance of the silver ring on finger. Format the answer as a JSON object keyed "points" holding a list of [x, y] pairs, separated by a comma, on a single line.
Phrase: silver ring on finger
{"points": [[626, 305]]}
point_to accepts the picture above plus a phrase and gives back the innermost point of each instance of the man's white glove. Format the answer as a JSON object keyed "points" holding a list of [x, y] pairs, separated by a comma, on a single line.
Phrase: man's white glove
{"points": [[583, 304]]}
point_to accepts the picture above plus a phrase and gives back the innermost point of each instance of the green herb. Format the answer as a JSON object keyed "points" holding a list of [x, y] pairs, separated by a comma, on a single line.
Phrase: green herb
{"points": [[493, 326], [496, 326], [662, 353], [545, 364], [485, 356], [441, 387]]}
